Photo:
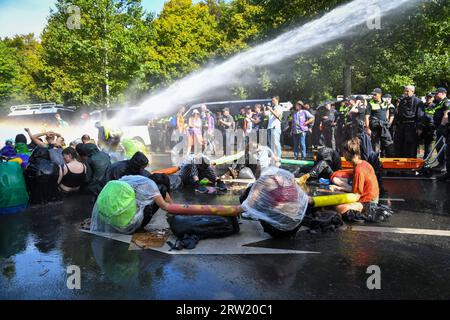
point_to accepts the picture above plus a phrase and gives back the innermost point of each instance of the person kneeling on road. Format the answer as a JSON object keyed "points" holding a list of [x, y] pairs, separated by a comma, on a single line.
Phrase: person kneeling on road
{"points": [[196, 168], [362, 181]]}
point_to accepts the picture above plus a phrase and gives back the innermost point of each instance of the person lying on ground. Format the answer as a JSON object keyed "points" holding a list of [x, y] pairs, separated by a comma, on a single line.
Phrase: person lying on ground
{"points": [[133, 167], [196, 168], [362, 180], [72, 174]]}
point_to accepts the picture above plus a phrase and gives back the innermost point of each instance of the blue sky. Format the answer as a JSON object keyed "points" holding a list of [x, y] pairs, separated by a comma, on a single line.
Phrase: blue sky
{"points": [[25, 16]]}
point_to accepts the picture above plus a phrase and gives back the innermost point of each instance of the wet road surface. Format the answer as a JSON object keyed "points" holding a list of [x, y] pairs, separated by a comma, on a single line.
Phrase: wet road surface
{"points": [[38, 245]]}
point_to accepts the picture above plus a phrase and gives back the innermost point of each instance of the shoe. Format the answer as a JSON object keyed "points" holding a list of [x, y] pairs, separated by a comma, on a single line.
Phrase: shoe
{"points": [[221, 186], [199, 188], [353, 216]]}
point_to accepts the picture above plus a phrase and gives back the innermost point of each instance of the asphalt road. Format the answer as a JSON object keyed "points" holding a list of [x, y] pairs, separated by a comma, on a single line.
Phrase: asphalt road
{"points": [[412, 251]]}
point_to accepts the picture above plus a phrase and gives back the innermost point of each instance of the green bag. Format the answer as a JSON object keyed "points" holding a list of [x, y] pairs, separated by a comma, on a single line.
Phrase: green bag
{"points": [[117, 204], [13, 192]]}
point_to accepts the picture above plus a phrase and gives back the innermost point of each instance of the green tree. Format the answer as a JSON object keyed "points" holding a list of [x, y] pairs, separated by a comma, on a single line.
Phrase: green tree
{"points": [[9, 70], [100, 60]]}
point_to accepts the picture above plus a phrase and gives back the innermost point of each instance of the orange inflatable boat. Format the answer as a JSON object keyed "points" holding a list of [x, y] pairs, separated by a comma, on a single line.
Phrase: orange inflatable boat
{"points": [[394, 163]]}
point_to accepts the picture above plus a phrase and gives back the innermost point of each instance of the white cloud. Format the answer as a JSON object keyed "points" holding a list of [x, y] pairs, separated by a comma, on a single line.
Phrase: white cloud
{"points": [[24, 16]]}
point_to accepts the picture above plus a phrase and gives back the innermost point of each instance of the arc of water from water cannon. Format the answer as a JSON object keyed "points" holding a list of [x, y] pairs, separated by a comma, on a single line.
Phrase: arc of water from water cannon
{"points": [[333, 25]]}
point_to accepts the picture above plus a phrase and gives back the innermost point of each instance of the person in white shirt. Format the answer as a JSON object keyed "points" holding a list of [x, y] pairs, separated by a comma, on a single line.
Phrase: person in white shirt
{"points": [[275, 113]]}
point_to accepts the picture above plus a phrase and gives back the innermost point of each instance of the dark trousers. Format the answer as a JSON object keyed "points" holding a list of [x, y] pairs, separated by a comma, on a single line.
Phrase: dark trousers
{"points": [[329, 136], [405, 141], [428, 136], [381, 139]]}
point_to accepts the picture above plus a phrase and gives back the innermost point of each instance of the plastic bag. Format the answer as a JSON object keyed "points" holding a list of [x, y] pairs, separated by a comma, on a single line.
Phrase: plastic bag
{"points": [[277, 199], [204, 227], [246, 173], [120, 206], [13, 195]]}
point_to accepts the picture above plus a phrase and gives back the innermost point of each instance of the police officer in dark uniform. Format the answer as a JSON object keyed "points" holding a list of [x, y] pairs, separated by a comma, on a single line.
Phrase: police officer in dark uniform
{"points": [[328, 120], [442, 104], [377, 124], [445, 124], [342, 113], [407, 124], [428, 126], [356, 117]]}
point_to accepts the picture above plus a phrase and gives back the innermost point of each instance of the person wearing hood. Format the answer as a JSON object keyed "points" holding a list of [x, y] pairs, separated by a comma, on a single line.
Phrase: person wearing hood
{"points": [[41, 177], [133, 167], [97, 164]]}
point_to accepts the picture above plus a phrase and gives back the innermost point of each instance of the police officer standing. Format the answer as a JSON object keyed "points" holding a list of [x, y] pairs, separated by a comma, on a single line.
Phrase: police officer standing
{"points": [[377, 124], [407, 121], [446, 132], [427, 124], [442, 104], [356, 117], [328, 120], [342, 113]]}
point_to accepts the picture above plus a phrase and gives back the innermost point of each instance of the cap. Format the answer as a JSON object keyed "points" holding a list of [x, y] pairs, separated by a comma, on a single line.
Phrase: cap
{"points": [[377, 91], [387, 96], [429, 95], [441, 90], [361, 98], [352, 98], [195, 111]]}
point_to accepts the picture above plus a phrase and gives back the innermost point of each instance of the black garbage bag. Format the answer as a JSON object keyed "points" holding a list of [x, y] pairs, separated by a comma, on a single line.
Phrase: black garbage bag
{"points": [[41, 177], [322, 221], [204, 227]]}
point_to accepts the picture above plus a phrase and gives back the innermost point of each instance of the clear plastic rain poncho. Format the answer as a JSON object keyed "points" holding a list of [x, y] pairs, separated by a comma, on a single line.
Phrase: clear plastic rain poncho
{"points": [[120, 206], [277, 199]]}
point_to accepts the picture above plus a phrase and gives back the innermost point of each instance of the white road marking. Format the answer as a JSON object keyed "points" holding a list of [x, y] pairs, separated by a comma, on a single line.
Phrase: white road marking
{"points": [[250, 232], [393, 199], [428, 232]]}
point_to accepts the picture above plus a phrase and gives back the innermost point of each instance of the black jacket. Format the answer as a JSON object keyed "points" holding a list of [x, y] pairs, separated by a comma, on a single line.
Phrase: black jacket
{"points": [[410, 110]]}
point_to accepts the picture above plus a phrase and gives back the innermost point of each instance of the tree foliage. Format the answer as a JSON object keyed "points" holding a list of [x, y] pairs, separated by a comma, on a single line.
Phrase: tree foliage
{"points": [[122, 49]]}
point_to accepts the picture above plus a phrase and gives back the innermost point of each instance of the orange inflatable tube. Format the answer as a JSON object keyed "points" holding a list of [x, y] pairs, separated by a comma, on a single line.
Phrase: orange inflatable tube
{"points": [[394, 163], [168, 171], [204, 210]]}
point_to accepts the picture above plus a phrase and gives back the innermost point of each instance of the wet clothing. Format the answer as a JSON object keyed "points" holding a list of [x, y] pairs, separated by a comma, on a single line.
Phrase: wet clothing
{"points": [[328, 120], [407, 121], [132, 167], [41, 177], [189, 169], [365, 183], [56, 156], [72, 179], [97, 165]]}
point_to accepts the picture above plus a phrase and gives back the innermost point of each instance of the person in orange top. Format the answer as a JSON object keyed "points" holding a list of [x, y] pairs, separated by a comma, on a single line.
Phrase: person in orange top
{"points": [[363, 181]]}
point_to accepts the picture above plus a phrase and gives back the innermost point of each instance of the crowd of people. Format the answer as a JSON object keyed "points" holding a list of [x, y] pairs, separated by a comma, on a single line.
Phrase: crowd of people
{"points": [[359, 129]]}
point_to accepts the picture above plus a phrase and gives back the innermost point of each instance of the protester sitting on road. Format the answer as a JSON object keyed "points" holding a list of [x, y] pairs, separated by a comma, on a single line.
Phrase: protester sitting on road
{"points": [[133, 167], [55, 143], [362, 180], [72, 174], [328, 161], [20, 144], [196, 168], [86, 139], [41, 177], [97, 164]]}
